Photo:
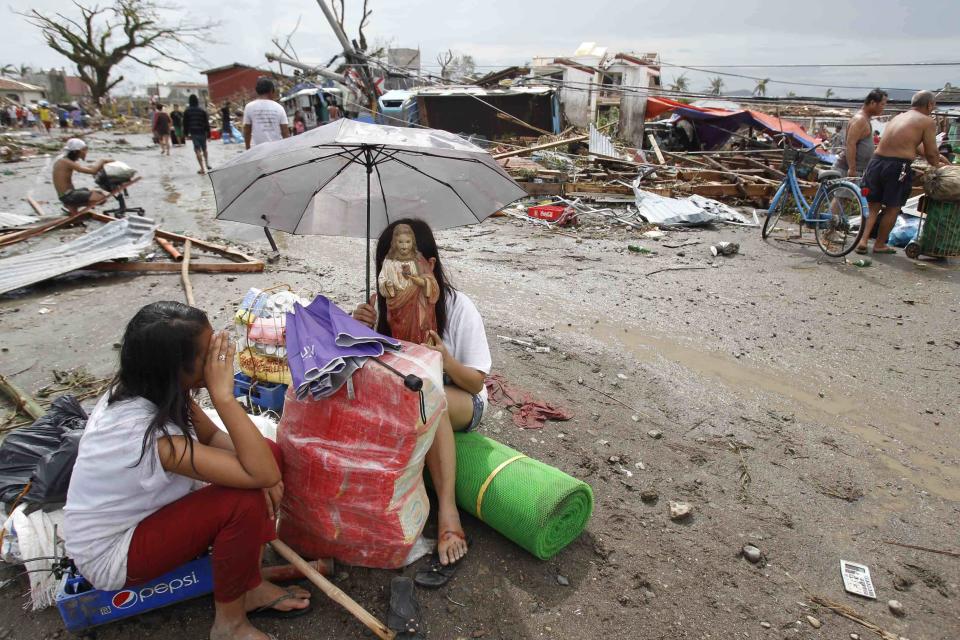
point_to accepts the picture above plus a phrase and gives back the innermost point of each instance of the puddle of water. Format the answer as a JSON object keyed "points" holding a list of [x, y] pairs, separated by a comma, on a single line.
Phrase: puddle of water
{"points": [[848, 413]]}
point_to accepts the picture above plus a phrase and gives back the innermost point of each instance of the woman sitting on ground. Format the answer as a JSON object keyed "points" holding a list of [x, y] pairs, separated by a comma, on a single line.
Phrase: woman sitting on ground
{"points": [[132, 511], [461, 340]]}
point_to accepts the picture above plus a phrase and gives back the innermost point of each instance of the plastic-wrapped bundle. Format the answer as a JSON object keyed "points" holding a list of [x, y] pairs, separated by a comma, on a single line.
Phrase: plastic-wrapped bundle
{"points": [[539, 507], [353, 463], [260, 324]]}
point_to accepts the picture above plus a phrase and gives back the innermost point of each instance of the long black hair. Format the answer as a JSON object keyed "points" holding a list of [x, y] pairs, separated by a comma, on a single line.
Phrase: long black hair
{"points": [[159, 348], [427, 246]]}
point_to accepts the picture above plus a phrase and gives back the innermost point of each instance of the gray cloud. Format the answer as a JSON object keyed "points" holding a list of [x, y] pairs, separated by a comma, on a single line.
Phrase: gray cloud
{"points": [[501, 32]]}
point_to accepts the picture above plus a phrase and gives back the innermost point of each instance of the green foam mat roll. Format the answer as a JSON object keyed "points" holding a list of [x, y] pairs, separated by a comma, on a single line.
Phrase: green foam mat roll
{"points": [[540, 508]]}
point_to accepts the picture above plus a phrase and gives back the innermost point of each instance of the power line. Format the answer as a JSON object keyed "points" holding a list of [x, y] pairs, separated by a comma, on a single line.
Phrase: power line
{"points": [[785, 82], [827, 65]]}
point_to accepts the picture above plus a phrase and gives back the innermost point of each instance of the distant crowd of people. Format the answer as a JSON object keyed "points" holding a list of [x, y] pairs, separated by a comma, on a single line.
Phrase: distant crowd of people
{"points": [[42, 115]]}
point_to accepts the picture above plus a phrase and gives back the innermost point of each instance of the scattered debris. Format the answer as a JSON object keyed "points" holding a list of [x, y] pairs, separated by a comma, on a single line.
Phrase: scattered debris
{"points": [[896, 608], [725, 249], [751, 553], [952, 554], [649, 496], [655, 434], [563, 581], [680, 511], [814, 622], [856, 579]]}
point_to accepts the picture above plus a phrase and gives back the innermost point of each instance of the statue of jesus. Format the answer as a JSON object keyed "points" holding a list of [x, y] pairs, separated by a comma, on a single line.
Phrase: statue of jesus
{"points": [[407, 283]]}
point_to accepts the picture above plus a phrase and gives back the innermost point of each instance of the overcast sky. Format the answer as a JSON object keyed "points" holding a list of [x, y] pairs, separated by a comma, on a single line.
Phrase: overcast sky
{"points": [[503, 32]]}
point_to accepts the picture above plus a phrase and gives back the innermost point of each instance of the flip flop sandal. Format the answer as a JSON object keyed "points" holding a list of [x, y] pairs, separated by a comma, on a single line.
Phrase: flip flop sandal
{"points": [[885, 251], [861, 250], [269, 611], [439, 574], [404, 615]]}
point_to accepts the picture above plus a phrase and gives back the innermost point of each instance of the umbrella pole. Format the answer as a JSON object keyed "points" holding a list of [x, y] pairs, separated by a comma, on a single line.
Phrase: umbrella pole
{"points": [[369, 164]]}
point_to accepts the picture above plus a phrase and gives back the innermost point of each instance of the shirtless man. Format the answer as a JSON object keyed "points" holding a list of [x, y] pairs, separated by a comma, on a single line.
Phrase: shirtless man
{"points": [[889, 178], [63, 168], [858, 145]]}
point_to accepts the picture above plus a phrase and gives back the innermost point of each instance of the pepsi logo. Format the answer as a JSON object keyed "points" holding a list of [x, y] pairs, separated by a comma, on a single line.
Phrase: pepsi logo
{"points": [[124, 599]]}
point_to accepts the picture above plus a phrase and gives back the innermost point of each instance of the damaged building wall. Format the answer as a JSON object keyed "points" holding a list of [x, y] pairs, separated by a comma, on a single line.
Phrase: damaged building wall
{"points": [[635, 72], [476, 113]]}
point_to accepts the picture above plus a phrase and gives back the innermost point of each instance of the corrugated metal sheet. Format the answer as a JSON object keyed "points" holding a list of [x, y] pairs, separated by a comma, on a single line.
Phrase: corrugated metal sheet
{"points": [[8, 220], [125, 238], [692, 211], [601, 144]]}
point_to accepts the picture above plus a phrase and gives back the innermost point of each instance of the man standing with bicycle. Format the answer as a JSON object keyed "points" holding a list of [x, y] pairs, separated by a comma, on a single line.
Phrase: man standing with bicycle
{"points": [[858, 145], [888, 179]]}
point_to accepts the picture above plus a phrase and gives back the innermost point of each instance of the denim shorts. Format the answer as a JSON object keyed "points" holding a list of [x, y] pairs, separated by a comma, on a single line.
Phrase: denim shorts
{"points": [[478, 407]]}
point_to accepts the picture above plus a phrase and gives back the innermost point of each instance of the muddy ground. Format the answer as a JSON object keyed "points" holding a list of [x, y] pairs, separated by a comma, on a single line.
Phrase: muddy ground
{"points": [[806, 406]]}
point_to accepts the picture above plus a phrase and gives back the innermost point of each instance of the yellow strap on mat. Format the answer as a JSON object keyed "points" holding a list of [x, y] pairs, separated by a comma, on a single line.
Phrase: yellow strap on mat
{"points": [[486, 483]]}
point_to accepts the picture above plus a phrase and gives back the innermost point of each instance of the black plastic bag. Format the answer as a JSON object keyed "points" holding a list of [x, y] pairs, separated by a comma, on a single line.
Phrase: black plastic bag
{"points": [[24, 449]]}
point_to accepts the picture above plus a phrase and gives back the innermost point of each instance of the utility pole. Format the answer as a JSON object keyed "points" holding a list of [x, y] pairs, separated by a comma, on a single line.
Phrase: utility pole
{"points": [[353, 57]]}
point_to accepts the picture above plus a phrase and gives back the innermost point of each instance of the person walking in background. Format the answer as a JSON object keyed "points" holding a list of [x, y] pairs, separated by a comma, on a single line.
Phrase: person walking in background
{"points": [[46, 117], [299, 123], [264, 120], [161, 129], [859, 144], [177, 117], [225, 121], [333, 110], [196, 124], [888, 179]]}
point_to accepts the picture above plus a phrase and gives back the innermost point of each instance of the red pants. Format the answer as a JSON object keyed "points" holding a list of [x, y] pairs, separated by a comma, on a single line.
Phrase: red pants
{"points": [[233, 521]]}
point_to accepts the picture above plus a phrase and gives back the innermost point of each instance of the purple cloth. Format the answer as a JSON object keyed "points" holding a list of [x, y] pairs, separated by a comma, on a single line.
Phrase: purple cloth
{"points": [[325, 346]]}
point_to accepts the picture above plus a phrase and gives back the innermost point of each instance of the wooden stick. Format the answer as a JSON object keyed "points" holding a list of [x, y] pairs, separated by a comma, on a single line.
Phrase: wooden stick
{"points": [[656, 148], [185, 274], [952, 554], [173, 267], [539, 147], [333, 592], [677, 268], [21, 400], [36, 206]]}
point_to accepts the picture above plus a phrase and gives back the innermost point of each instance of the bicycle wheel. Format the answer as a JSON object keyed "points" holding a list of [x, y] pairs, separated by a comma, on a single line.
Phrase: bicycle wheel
{"points": [[838, 217], [786, 207]]}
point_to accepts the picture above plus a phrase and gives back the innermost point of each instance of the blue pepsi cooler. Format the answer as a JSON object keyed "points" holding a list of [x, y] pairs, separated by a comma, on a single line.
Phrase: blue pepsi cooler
{"points": [[81, 606]]}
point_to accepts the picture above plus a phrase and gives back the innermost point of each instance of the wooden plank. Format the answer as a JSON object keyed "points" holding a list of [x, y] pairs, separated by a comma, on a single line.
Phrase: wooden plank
{"points": [[656, 148], [540, 147], [542, 188], [175, 267], [43, 227], [596, 187]]}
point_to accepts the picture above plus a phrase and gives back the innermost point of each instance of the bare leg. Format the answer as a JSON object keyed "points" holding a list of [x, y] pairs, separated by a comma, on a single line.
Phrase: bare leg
{"points": [[442, 461], [868, 225], [886, 226], [230, 622], [459, 407], [200, 162]]}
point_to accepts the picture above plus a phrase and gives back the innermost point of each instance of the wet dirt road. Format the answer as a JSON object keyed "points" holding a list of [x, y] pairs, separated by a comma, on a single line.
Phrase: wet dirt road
{"points": [[806, 406]]}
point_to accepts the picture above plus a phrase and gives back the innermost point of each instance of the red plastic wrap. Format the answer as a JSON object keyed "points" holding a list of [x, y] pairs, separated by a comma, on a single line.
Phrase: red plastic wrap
{"points": [[353, 468]]}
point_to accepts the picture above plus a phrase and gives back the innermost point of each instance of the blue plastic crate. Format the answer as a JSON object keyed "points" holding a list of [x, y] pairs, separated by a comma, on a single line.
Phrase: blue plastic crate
{"points": [[82, 607], [266, 395]]}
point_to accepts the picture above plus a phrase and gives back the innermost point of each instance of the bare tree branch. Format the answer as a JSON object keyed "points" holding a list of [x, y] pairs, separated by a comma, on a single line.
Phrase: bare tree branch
{"points": [[103, 37]]}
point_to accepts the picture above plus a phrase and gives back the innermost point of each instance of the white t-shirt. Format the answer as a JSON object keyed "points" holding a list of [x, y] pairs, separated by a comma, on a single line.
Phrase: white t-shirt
{"points": [[110, 494], [265, 118], [465, 337]]}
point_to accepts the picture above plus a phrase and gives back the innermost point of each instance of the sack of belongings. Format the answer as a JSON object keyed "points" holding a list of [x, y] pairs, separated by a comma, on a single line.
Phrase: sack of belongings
{"points": [[943, 183], [114, 174]]}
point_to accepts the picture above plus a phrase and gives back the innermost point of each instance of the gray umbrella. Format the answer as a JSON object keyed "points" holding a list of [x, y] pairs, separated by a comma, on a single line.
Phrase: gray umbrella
{"points": [[352, 179]]}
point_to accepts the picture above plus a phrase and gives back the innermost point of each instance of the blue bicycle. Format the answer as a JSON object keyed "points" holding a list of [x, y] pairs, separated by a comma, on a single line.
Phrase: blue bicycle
{"points": [[836, 214]]}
